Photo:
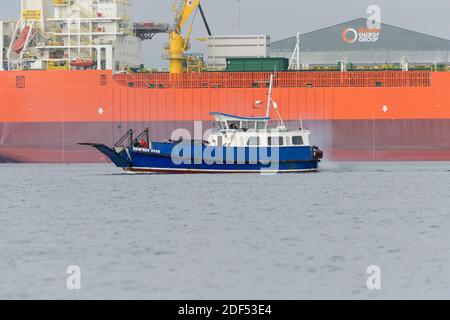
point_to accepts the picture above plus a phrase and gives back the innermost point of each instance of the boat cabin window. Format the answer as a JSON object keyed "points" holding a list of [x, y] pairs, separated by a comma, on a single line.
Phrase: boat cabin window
{"points": [[275, 141], [219, 141], [253, 141], [220, 125], [234, 125], [248, 125], [297, 140], [261, 125]]}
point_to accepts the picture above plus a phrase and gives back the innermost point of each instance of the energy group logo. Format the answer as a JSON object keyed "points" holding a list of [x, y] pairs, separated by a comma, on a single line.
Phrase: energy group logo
{"points": [[363, 35], [350, 35]]}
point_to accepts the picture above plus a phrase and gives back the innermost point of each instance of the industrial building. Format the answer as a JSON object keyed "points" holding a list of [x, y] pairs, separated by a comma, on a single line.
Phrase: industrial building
{"points": [[353, 43], [235, 46]]}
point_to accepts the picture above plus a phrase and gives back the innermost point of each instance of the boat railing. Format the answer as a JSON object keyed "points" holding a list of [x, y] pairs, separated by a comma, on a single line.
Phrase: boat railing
{"points": [[131, 140], [144, 135], [129, 136]]}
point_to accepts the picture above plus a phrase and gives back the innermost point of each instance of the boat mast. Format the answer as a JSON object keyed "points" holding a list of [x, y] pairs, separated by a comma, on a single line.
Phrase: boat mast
{"points": [[269, 101]]}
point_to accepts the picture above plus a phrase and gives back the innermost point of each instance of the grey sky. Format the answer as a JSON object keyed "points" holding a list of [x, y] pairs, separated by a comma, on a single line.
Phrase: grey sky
{"points": [[283, 18]]}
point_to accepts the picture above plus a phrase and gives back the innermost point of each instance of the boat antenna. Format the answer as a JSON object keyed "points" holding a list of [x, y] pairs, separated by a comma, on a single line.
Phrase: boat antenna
{"points": [[281, 122], [271, 102]]}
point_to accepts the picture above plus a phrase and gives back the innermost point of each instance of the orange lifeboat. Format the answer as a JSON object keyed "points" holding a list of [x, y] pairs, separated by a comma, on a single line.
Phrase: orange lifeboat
{"points": [[19, 44], [81, 63]]}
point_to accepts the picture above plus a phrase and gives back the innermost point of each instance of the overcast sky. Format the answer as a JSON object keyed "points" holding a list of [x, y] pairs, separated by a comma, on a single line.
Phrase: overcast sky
{"points": [[282, 18]]}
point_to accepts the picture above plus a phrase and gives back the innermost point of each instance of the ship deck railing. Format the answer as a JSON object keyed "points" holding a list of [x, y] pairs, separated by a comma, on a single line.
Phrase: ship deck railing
{"points": [[282, 79]]}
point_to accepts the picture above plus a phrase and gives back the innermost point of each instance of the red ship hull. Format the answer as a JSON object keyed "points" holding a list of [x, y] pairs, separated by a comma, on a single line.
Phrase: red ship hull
{"points": [[354, 116]]}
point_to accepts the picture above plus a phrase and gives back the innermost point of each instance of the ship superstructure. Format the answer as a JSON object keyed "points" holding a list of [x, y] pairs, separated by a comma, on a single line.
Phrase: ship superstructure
{"points": [[63, 34], [6, 31]]}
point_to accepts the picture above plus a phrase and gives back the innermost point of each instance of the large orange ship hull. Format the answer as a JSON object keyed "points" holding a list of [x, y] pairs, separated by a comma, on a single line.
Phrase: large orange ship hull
{"points": [[44, 114]]}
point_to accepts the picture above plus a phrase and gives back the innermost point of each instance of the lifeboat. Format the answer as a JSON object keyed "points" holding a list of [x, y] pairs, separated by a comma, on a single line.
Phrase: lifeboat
{"points": [[82, 63], [19, 44]]}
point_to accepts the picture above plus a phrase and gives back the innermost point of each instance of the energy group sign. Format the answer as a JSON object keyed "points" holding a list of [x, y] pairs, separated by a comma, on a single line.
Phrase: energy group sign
{"points": [[352, 35]]}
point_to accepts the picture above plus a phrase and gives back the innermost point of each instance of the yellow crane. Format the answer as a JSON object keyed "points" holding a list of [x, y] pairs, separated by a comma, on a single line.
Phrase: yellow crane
{"points": [[179, 44]]}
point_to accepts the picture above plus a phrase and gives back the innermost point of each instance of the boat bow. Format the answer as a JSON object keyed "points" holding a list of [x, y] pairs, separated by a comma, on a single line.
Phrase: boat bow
{"points": [[118, 156]]}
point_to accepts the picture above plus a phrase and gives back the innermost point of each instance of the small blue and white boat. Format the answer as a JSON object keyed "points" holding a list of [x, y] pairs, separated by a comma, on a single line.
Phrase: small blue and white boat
{"points": [[236, 145]]}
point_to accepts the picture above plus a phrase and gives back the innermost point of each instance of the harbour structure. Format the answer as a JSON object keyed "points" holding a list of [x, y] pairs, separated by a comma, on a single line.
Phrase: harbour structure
{"points": [[221, 47], [54, 96], [353, 43], [64, 35]]}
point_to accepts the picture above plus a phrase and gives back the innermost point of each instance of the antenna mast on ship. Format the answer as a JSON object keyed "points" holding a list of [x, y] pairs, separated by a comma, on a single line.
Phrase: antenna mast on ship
{"points": [[294, 63], [271, 102]]}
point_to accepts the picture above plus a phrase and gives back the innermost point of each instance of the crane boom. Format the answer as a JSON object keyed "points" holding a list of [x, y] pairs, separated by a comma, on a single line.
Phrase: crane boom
{"points": [[188, 9], [178, 45]]}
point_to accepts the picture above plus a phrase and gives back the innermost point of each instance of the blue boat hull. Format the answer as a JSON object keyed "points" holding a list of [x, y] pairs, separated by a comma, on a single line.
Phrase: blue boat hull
{"points": [[191, 158]]}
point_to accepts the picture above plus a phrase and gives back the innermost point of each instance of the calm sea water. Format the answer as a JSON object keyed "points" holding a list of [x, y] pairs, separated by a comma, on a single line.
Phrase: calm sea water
{"points": [[225, 236]]}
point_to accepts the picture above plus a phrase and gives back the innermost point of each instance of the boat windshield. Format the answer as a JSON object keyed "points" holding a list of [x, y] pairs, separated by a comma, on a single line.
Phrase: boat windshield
{"points": [[243, 125], [248, 125], [261, 125], [221, 125], [230, 122], [234, 125]]}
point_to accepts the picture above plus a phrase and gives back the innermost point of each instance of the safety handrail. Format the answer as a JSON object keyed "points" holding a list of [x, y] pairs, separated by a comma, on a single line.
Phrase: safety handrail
{"points": [[144, 134], [129, 134]]}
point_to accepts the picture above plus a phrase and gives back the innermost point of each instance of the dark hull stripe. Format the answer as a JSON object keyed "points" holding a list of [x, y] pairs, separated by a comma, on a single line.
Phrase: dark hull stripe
{"points": [[380, 140]]}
